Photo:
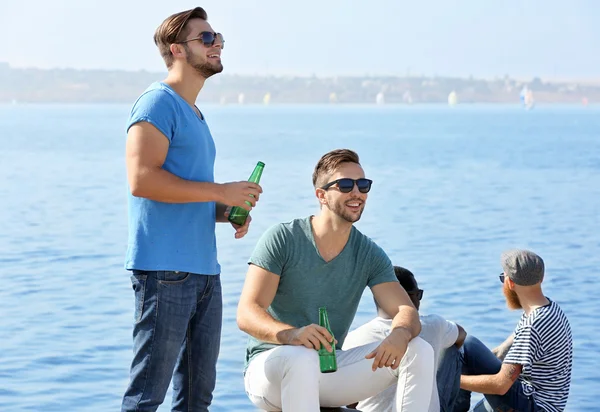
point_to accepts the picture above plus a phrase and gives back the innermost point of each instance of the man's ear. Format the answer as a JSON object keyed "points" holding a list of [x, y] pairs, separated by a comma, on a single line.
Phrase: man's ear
{"points": [[177, 50], [320, 193], [511, 284]]}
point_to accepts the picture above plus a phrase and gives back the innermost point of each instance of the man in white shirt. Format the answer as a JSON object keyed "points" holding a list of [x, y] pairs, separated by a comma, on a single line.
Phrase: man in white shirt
{"points": [[441, 334]]}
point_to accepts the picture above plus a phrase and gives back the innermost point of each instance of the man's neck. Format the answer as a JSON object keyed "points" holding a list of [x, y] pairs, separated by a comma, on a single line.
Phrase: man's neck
{"points": [[331, 234], [186, 84], [531, 300]]}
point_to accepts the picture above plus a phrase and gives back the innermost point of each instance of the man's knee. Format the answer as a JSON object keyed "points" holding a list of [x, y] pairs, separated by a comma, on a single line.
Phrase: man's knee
{"points": [[419, 356], [419, 348], [296, 359]]}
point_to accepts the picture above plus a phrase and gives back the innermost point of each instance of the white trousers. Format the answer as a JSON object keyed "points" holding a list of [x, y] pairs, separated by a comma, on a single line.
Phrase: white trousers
{"points": [[287, 378]]}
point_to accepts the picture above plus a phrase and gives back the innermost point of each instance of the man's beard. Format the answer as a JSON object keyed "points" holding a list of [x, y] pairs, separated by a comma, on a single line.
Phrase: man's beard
{"points": [[205, 69], [339, 209], [512, 300]]}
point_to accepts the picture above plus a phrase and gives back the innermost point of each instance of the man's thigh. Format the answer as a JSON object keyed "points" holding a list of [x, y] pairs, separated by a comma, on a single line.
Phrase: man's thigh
{"points": [[355, 379]]}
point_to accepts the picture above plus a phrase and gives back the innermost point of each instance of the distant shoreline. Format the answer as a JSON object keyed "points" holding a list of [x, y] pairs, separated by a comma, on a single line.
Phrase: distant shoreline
{"points": [[21, 85]]}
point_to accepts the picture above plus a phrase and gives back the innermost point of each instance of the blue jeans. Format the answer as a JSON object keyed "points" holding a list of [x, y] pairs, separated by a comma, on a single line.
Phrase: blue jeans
{"points": [[448, 378], [477, 359], [176, 334]]}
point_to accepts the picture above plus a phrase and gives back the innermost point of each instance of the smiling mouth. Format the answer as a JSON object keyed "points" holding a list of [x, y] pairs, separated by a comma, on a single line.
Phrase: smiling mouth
{"points": [[214, 56], [353, 204]]}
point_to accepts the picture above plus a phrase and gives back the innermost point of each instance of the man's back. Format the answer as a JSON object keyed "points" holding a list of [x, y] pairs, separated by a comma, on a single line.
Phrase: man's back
{"points": [[543, 345]]}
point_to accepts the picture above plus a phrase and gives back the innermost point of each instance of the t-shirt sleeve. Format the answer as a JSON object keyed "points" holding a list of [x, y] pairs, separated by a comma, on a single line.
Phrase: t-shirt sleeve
{"points": [[448, 332], [526, 348], [158, 108], [270, 250], [381, 267]]}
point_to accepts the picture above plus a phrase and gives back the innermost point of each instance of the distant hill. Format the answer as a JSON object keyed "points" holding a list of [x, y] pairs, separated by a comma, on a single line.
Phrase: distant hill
{"points": [[105, 86]]}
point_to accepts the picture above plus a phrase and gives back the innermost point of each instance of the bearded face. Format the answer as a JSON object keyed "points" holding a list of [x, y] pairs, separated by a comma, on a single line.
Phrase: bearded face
{"points": [[512, 300], [204, 67], [349, 207]]}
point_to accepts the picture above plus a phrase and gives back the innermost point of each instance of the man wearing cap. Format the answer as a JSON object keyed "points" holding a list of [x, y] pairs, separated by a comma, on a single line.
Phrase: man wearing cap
{"points": [[535, 374]]}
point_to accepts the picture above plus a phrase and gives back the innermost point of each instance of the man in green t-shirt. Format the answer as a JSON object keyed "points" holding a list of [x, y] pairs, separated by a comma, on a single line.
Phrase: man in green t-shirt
{"points": [[319, 261]]}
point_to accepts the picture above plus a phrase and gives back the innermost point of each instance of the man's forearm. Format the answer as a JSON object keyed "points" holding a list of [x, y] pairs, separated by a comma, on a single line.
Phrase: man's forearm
{"points": [[257, 322], [407, 318], [487, 384], [162, 186], [502, 350]]}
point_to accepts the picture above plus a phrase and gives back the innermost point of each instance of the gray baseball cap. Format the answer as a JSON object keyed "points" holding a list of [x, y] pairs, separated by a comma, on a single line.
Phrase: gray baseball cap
{"points": [[523, 267]]}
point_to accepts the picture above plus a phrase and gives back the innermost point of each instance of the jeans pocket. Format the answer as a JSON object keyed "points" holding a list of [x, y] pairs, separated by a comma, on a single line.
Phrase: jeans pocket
{"points": [[170, 277], [138, 283]]}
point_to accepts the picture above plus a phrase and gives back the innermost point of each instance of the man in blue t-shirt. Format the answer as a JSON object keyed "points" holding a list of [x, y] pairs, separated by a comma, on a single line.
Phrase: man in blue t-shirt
{"points": [[173, 206], [324, 261], [531, 370]]}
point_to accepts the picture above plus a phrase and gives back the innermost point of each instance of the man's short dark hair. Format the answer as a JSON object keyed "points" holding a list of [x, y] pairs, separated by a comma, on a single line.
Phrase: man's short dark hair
{"points": [[406, 278]]}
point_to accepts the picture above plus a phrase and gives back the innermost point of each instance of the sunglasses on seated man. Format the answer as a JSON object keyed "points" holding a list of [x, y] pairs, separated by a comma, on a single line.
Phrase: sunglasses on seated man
{"points": [[345, 185], [418, 293]]}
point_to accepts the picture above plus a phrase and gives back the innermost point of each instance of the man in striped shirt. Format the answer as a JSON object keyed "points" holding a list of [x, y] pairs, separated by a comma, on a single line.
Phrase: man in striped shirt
{"points": [[535, 373]]}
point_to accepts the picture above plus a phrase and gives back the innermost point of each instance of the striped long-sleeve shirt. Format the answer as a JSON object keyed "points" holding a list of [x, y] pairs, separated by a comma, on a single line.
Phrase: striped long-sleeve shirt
{"points": [[543, 346]]}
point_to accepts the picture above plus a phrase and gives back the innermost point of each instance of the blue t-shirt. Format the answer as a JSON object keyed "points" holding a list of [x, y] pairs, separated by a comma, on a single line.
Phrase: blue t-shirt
{"points": [[174, 236]]}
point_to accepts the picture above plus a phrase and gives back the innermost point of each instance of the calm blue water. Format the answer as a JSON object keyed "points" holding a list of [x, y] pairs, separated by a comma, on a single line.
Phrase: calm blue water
{"points": [[453, 189]]}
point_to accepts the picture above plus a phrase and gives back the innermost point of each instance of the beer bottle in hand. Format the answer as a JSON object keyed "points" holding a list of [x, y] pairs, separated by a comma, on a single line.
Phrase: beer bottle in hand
{"points": [[238, 214]]}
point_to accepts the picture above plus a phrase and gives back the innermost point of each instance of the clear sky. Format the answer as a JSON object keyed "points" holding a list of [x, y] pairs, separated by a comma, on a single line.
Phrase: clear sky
{"points": [[484, 38]]}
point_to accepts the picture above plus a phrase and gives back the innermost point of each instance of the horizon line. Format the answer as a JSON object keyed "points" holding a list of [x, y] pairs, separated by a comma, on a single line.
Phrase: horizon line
{"points": [[522, 78]]}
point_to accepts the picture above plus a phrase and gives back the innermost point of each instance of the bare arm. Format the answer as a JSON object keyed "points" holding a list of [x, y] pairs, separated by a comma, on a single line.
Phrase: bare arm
{"points": [[393, 300], [146, 151], [462, 335], [259, 291], [497, 384], [502, 350]]}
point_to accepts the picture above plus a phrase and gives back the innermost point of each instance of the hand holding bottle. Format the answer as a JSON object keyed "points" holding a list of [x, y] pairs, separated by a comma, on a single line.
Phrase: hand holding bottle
{"points": [[241, 194], [240, 230], [238, 214], [310, 336]]}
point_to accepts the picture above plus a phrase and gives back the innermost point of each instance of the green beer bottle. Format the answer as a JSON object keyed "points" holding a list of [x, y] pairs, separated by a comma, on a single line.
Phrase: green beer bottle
{"points": [[238, 214], [327, 360]]}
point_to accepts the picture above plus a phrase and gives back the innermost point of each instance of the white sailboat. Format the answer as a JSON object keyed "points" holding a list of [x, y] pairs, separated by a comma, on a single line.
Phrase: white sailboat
{"points": [[526, 97], [452, 99]]}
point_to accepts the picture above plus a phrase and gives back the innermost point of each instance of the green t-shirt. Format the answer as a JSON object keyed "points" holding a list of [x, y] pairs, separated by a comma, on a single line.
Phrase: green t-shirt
{"points": [[307, 282]]}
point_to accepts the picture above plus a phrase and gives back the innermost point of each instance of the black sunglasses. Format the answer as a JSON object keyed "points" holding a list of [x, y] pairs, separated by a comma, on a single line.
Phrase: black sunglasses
{"points": [[418, 293], [346, 185], [208, 38], [501, 277]]}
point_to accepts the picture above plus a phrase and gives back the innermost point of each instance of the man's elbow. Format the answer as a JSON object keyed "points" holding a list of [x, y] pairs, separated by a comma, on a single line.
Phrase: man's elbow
{"points": [[503, 387], [136, 184], [137, 189], [242, 318], [462, 335]]}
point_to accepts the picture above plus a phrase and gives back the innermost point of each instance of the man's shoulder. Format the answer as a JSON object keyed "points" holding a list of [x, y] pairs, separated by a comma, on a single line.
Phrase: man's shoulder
{"points": [[548, 319], [156, 93], [289, 227], [284, 232], [365, 241]]}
